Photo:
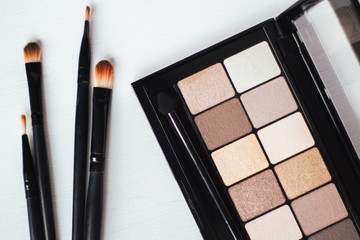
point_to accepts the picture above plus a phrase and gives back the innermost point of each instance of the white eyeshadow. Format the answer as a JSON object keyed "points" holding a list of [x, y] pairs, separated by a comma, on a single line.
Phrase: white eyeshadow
{"points": [[279, 224], [286, 137], [252, 66]]}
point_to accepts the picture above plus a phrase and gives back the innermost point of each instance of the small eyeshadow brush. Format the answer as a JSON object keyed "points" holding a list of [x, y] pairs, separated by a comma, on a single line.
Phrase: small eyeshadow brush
{"points": [[32, 55], [104, 73], [167, 105], [81, 134], [36, 224]]}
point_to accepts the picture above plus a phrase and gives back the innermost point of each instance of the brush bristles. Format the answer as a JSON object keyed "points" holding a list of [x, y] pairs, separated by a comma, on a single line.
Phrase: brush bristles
{"points": [[32, 52], [23, 123], [87, 13], [104, 74]]}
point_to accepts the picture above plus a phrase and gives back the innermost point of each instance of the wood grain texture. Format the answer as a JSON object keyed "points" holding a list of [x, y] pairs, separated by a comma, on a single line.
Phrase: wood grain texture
{"points": [[142, 200]]}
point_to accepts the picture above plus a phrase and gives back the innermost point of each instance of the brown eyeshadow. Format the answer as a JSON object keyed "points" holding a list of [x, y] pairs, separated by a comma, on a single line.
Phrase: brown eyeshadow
{"points": [[223, 123], [343, 230], [319, 209], [256, 195], [302, 173]]}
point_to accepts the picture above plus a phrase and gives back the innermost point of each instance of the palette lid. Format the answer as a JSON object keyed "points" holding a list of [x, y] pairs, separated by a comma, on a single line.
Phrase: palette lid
{"points": [[328, 35]]}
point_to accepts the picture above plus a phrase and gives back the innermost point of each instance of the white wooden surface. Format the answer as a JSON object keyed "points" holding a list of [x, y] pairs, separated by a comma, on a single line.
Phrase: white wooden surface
{"points": [[142, 199]]}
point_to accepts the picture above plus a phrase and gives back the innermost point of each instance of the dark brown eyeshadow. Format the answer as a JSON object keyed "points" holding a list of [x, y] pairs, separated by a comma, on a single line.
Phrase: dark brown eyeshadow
{"points": [[343, 230]]}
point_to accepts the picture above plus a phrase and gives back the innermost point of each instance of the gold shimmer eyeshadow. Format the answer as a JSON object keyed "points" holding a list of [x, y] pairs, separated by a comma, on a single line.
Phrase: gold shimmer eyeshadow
{"points": [[285, 138], [223, 123], [319, 209], [302, 173], [268, 102], [343, 230], [278, 224], [252, 66], [206, 88], [239, 159], [256, 195]]}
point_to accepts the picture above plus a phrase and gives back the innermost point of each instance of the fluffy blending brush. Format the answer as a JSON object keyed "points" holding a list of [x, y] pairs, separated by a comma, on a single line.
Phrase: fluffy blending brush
{"points": [[101, 99], [168, 105], [36, 225], [32, 54], [81, 134]]}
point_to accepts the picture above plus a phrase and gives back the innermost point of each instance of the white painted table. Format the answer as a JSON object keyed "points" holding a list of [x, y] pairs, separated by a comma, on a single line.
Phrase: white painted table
{"points": [[142, 199]]}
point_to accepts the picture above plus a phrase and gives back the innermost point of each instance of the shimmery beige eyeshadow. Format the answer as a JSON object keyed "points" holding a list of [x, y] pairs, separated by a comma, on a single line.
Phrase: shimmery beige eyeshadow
{"points": [[302, 173], [319, 209], [239, 159], [223, 123], [252, 66], [268, 102], [279, 224], [256, 195], [285, 138], [343, 230], [206, 88]]}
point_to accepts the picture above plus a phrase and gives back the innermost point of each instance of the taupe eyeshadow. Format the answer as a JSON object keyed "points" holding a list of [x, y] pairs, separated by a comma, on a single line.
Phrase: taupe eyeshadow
{"points": [[268, 102], [343, 230], [223, 123], [319, 209]]}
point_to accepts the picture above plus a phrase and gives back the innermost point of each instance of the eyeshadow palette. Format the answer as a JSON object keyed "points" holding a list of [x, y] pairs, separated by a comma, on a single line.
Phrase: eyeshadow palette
{"points": [[275, 151]]}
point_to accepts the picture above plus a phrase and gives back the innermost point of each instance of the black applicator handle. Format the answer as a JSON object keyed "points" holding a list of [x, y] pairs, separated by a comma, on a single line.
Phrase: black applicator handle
{"points": [[36, 224], [35, 219], [81, 138], [42, 170], [33, 72], [80, 160], [94, 206]]}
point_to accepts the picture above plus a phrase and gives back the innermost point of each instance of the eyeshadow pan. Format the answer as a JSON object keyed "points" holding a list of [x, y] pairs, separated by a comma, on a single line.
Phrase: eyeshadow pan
{"points": [[343, 230], [319, 209], [252, 66], [256, 195], [279, 224], [302, 173], [206, 88], [268, 102], [285, 138], [223, 123], [239, 159]]}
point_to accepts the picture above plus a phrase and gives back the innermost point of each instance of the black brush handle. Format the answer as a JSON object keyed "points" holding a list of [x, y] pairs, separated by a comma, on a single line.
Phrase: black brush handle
{"points": [[80, 160], [94, 206], [35, 219], [42, 170]]}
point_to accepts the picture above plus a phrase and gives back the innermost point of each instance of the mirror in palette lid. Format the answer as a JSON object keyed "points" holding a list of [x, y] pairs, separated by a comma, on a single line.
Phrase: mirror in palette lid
{"points": [[329, 30]]}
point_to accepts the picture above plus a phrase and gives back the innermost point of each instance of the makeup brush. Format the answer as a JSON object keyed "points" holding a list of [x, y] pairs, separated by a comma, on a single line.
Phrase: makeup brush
{"points": [[81, 134], [36, 224], [32, 55], [167, 105], [104, 73]]}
